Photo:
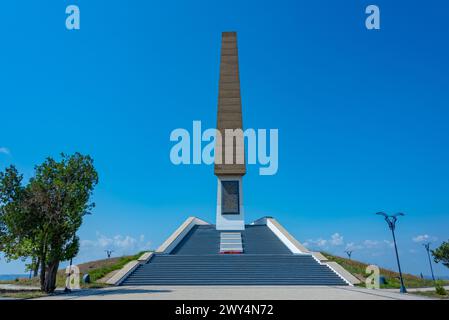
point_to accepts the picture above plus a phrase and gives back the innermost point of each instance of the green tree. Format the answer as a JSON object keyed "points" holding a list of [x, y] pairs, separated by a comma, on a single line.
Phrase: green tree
{"points": [[441, 254], [15, 231], [40, 220]]}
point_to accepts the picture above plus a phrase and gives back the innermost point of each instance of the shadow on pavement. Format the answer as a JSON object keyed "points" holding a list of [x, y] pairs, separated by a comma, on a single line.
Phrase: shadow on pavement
{"points": [[118, 291]]}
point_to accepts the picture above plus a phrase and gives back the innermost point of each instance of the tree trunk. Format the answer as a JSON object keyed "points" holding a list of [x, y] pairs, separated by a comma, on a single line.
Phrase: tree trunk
{"points": [[43, 259], [36, 267], [50, 277], [42, 278]]}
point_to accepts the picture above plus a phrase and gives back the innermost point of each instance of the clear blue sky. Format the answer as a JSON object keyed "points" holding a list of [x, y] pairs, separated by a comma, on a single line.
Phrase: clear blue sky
{"points": [[362, 115]]}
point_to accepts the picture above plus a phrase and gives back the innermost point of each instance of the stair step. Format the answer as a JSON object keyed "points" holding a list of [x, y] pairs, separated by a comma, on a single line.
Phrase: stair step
{"points": [[244, 269]]}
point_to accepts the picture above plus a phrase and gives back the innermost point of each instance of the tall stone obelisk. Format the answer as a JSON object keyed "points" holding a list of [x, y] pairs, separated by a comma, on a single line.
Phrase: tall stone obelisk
{"points": [[229, 150]]}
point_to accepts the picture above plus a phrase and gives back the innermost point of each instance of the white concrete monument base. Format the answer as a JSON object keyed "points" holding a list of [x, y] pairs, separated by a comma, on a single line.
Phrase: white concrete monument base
{"points": [[229, 221]]}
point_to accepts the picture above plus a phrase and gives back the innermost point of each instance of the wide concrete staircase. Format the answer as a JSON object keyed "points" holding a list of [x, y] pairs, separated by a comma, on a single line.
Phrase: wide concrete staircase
{"points": [[233, 269]]}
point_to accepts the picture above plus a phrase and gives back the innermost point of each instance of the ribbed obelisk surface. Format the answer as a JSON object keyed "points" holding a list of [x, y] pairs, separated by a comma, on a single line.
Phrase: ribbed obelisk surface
{"points": [[229, 114]]}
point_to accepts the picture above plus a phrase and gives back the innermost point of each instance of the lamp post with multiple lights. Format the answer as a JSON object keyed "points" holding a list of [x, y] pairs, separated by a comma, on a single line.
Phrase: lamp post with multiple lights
{"points": [[391, 221], [109, 253], [349, 253]]}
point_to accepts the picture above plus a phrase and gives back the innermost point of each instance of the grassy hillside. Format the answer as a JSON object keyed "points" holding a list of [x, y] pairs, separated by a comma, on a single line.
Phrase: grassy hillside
{"points": [[96, 269], [358, 268], [100, 268]]}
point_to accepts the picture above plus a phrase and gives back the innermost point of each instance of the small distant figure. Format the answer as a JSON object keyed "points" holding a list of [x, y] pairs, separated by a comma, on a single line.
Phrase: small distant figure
{"points": [[109, 253], [422, 277], [349, 253]]}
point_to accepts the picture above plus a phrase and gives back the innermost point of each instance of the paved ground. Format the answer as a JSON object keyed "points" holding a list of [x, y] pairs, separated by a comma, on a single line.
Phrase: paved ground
{"points": [[419, 289], [234, 293], [17, 287]]}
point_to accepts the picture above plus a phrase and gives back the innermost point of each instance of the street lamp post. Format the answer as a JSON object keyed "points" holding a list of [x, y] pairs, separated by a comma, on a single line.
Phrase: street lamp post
{"points": [[109, 253], [349, 253], [427, 246], [391, 221]]}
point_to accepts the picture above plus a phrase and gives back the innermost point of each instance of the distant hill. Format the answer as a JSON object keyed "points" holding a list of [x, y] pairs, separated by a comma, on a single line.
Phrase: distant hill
{"points": [[100, 270], [97, 270], [358, 268]]}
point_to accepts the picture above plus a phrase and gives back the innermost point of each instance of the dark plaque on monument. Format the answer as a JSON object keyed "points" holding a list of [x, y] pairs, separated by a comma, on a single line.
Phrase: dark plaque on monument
{"points": [[230, 197]]}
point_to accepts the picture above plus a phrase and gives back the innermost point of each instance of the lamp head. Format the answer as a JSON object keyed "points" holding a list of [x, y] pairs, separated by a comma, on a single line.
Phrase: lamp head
{"points": [[382, 214]]}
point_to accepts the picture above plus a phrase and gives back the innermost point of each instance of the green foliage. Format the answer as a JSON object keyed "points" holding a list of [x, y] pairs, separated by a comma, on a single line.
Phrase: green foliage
{"points": [[40, 219], [441, 254], [12, 214], [439, 289]]}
